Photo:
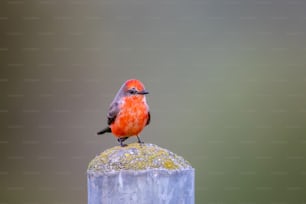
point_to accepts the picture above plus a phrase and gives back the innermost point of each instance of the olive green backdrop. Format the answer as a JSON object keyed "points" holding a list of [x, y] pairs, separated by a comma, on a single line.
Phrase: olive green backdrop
{"points": [[227, 83]]}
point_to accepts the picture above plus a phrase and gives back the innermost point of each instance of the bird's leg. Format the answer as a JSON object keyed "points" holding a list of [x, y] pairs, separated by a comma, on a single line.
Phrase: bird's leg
{"points": [[139, 141], [121, 140]]}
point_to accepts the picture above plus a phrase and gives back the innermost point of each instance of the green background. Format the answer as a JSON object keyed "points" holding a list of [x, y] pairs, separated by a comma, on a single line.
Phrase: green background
{"points": [[227, 83]]}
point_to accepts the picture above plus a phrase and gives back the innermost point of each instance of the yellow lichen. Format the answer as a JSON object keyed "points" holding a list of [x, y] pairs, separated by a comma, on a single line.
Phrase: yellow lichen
{"points": [[137, 156], [168, 164]]}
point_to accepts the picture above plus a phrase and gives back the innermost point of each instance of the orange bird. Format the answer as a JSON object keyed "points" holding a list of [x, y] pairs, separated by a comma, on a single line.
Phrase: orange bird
{"points": [[129, 112]]}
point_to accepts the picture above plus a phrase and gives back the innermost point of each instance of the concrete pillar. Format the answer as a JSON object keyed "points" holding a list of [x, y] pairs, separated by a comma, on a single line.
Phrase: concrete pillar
{"points": [[142, 174]]}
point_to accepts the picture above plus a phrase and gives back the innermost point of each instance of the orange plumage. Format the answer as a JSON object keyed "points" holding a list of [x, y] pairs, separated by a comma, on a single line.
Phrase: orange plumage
{"points": [[129, 112]]}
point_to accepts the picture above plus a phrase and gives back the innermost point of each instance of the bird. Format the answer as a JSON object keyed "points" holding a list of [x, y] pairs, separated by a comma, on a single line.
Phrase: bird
{"points": [[129, 112]]}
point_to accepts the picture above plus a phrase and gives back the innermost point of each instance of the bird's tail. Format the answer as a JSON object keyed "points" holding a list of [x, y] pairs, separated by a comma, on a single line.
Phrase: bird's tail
{"points": [[107, 129]]}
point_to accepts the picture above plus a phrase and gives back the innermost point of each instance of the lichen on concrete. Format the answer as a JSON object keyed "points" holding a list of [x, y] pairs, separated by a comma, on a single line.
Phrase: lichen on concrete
{"points": [[137, 156]]}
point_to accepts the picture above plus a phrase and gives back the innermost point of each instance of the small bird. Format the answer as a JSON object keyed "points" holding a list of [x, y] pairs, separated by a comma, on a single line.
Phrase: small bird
{"points": [[129, 112]]}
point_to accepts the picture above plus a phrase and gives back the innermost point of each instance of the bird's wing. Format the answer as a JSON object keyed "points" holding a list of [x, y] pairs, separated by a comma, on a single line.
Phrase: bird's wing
{"points": [[112, 112], [149, 118]]}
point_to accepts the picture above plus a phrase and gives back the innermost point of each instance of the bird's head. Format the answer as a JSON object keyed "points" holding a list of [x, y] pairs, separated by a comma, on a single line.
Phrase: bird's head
{"points": [[134, 87]]}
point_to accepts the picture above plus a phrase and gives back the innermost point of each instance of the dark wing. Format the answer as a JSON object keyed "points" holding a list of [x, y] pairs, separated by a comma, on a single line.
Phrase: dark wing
{"points": [[112, 112], [149, 118]]}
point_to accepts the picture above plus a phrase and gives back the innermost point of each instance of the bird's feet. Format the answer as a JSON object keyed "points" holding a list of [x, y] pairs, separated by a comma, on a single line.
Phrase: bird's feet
{"points": [[139, 141], [121, 140]]}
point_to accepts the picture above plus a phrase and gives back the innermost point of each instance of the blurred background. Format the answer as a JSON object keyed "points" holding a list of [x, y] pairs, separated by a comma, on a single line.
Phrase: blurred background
{"points": [[227, 83]]}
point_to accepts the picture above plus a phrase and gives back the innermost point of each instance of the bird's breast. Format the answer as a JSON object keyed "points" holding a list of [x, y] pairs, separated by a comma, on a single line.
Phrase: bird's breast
{"points": [[132, 117]]}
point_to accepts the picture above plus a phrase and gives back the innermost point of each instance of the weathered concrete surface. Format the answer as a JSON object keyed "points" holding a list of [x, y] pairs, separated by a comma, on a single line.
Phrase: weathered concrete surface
{"points": [[140, 173]]}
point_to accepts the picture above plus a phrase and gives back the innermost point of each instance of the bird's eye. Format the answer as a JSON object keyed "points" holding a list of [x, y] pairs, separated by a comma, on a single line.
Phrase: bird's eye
{"points": [[132, 91]]}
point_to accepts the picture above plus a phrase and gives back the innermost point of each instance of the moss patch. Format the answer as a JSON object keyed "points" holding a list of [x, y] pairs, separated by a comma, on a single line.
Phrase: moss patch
{"points": [[137, 156]]}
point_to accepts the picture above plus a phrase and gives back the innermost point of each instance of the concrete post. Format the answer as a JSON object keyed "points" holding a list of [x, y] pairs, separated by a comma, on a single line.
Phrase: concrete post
{"points": [[142, 174]]}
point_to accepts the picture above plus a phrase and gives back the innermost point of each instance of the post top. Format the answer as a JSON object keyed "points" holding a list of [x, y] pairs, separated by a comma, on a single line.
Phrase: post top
{"points": [[137, 156]]}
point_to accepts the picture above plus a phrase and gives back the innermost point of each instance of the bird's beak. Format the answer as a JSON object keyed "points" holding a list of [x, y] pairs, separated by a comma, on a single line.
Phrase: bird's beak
{"points": [[144, 92]]}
